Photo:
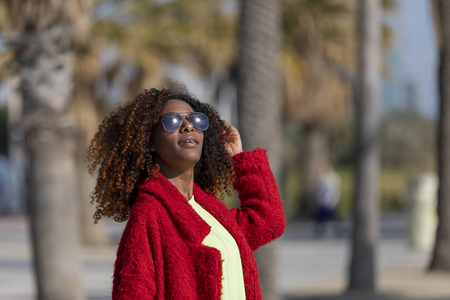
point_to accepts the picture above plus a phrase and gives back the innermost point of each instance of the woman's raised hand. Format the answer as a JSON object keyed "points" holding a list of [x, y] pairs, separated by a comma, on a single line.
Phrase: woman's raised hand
{"points": [[233, 143]]}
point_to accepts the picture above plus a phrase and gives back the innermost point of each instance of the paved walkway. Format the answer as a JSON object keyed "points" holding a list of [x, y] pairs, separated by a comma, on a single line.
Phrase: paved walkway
{"points": [[309, 268]]}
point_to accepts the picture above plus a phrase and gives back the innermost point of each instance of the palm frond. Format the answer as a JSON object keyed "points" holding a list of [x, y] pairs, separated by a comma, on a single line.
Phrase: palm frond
{"points": [[196, 34], [29, 15], [389, 5], [317, 32]]}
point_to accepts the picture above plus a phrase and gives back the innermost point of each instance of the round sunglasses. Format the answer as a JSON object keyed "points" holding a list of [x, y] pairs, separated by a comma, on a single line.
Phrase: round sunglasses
{"points": [[173, 121]]}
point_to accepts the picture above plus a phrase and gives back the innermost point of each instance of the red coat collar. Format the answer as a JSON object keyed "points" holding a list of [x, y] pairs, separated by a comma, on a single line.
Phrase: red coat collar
{"points": [[189, 223]]}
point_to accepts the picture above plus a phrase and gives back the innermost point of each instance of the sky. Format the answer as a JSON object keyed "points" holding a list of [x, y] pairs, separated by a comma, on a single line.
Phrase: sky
{"points": [[418, 52]]}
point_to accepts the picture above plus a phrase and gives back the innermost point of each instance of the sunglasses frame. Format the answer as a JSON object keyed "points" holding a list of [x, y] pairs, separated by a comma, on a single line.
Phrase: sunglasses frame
{"points": [[184, 116]]}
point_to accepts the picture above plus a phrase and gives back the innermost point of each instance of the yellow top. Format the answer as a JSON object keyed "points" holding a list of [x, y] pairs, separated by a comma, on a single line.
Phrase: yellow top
{"points": [[232, 281]]}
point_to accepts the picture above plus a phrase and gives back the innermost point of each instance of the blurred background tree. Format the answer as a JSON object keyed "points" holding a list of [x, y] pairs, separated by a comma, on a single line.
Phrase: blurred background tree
{"points": [[111, 69], [199, 35], [441, 255], [259, 103], [362, 268], [43, 33], [318, 75], [318, 40]]}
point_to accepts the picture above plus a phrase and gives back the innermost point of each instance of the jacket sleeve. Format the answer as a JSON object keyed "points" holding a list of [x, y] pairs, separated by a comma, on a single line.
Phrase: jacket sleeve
{"points": [[261, 215], [134, 274]]}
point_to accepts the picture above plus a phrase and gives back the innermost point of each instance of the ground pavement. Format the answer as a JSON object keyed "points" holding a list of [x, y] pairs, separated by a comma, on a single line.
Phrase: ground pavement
{"points": [[308, 268]]}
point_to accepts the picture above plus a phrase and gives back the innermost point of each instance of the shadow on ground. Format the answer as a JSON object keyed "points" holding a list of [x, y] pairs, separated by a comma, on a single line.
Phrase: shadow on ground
{"points": [[356, 296]]}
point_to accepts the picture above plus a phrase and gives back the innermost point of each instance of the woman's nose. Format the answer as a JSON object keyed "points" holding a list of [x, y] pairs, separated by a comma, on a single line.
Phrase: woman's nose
{"points": [[186, 126]]}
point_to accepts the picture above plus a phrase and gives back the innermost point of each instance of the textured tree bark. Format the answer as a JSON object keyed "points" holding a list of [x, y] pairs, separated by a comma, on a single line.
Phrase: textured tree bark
{"points": [[259, 103], [365, 215], [441, 255], [46, 62]]}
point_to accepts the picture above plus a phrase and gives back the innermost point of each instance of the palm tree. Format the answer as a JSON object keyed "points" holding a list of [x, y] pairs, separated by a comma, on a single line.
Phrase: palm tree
{"points": [[259, 102], [318, 36], [43, 31], [441, 255], [196, 34], [365, 215]]}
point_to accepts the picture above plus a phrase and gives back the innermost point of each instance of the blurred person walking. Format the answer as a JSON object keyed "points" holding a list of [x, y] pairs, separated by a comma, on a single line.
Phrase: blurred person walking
{"points": [[326, 195]]}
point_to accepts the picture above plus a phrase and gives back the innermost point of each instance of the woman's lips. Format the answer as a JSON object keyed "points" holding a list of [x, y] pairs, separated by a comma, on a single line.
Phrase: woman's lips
{"points": [[188, 141]]}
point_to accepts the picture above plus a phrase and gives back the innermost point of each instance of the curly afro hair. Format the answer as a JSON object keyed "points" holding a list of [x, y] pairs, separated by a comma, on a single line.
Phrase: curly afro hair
{"points": [[120, 150]]}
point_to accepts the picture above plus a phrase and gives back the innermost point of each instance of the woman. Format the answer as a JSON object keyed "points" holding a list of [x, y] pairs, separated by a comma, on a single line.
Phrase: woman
{"points": [[162, 159]]}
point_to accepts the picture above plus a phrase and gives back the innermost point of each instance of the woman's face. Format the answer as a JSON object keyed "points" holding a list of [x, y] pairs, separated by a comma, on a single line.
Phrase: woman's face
{"points": [[178, 150]]}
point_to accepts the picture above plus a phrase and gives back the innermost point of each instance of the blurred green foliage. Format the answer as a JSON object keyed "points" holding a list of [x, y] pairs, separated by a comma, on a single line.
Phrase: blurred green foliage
{"points": [[407, 147], [408, 142], [201, 35], [392, 185], [197, 34], [392, 191]]}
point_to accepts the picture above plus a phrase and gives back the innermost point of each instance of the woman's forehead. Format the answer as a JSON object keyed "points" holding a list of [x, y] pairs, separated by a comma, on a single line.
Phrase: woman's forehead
{"points": [[174, 105]]}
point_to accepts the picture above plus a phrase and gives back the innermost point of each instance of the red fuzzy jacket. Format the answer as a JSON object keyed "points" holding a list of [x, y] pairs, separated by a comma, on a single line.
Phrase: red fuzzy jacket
{"points": [[161, 256]]}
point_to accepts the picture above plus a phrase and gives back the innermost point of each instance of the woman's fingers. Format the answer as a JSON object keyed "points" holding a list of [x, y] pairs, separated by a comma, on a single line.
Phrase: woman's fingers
{"points": [[233, 144]]}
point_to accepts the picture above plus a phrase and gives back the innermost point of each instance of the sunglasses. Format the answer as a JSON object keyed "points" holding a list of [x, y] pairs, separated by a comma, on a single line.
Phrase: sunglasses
{"points": [[173, 121]]}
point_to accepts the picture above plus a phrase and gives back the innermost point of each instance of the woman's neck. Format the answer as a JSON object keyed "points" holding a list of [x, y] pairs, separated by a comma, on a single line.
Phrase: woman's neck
{"points": [[183, 180], [184, 184]]}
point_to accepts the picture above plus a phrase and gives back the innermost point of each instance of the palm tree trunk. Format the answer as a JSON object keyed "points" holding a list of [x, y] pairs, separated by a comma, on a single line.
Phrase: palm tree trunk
{"points": [[46, 63], [441, 255], [259, 103], [365, 214]]}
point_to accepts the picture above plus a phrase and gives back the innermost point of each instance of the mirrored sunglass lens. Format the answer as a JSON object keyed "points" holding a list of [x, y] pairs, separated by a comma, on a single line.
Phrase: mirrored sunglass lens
{"points": [[171, 122], [199, 121]]}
